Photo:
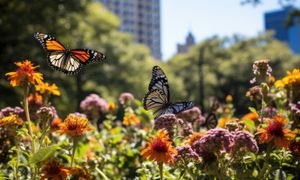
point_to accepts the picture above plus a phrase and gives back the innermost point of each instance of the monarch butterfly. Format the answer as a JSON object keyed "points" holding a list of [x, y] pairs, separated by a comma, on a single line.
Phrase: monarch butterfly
{"points": [[158, 96], [212, 120], [66, 60]]}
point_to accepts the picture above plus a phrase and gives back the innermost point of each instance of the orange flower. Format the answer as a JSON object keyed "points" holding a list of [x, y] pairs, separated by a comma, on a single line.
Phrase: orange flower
{"points": [[12, 119], [130, 119], [74, 126], [271, 80], [55, 124], [193, 137], [252, 116], [46, 88], [35, 99], [160, 149], [223, 121], [24, 75], [81, 173], [53, 169], [276, 132]]}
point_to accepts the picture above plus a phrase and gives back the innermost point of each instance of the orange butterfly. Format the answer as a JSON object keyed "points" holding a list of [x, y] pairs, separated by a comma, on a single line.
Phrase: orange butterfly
{"points": [[66, 60]]}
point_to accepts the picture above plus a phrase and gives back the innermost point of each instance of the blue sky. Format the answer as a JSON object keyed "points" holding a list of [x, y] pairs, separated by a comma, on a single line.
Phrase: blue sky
{"points": [[205, 18]]}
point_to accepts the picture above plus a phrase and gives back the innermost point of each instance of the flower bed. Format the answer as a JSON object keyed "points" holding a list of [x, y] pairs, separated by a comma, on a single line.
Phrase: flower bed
{"points": [[120, 140]]}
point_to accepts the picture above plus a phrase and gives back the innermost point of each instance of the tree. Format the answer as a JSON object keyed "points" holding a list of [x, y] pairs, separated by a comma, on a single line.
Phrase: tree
{"points": [[77, 24], [228, 66]]}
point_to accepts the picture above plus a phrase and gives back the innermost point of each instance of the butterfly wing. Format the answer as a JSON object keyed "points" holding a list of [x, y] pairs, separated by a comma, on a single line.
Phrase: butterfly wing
{"points": [[159, 81], [64, 63], [48, 42], [58, 56], [155, 100], [178, 107], [211, 121], [158, 96], [62, 59], [86, 56]]}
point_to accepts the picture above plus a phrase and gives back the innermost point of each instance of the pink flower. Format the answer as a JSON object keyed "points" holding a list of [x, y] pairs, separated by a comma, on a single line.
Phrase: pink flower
{"points": [[186, 152], [243, 141], [126, 98], [193, 115], [165, 121], [93, 105], [215, 141]]}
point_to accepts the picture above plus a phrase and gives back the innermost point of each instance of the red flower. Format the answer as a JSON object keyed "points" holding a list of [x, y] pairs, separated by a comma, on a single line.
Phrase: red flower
{"points": [[276, 132]]}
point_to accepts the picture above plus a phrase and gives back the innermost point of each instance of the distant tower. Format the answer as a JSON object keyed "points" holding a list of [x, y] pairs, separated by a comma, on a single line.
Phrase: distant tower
{"points": [[277, 21], [189, 41], [141, 18]]}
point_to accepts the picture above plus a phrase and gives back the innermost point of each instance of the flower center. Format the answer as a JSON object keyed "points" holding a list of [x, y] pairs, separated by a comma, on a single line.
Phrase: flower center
{"points": [[275, 129], [159, 146], [72, 127]]}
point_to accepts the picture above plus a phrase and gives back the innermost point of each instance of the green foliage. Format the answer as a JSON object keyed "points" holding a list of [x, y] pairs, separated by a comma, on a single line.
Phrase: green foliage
{"points": [[77, 24], [226, 65], [43, 154]]}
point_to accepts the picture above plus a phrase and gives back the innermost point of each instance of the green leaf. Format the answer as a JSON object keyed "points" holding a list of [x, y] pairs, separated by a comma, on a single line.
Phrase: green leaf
{"points": [[3, 176], [250, 124], [43, 154], [252, 109], [276, 156]]}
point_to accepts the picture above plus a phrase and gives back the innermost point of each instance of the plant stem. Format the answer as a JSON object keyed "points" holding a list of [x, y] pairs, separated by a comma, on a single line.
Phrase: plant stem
{"points": [[75, 141], [26, 109], [17, 163], [102, 174], [161, 170], [265, 166], [44, 133]]}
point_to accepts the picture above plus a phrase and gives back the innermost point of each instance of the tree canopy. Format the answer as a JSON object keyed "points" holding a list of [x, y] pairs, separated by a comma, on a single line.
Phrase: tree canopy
{"points": [[227, 66]]}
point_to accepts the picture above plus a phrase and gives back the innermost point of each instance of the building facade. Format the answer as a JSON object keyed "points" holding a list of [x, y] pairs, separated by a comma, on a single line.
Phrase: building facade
{"points": [[277, 22], [189, 41], [141, 18]]}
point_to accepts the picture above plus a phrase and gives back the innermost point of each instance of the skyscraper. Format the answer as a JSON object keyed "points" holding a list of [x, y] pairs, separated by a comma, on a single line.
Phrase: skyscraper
{"points": [[141, 18], [277, 21], [189, 41]]}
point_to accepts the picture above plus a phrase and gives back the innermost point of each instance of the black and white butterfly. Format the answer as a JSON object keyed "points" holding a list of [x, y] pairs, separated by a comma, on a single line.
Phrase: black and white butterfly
{"points": [[158, 96], [66, 60]]}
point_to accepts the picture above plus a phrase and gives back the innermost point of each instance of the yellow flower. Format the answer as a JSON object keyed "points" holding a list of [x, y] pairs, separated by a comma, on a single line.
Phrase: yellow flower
{"points": [[112, 106], [24, 75], [131, 119], [276, 132], [12, 119], [53, 169], [229, 99], [222, 121], [292, 79], [46, 88], [160, 149], [74, 126], [193, 138]]}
